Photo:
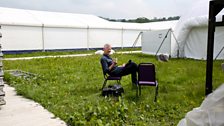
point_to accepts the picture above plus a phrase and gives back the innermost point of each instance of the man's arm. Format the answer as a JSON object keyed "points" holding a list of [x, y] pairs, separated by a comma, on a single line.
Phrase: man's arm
{"points": [[112, 65], [105, 66]]}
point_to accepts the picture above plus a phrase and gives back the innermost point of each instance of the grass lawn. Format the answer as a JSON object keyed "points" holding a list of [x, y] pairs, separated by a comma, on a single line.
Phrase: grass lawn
{"points": [[68, 52], [69, 87]]}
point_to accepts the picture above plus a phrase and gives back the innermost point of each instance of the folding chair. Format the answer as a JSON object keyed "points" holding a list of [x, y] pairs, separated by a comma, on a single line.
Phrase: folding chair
{"points": [[147, 77], [108, 77]]}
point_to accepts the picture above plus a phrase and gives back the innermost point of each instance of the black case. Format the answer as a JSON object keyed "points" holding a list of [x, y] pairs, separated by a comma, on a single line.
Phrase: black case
{"points": [[113, 90]]}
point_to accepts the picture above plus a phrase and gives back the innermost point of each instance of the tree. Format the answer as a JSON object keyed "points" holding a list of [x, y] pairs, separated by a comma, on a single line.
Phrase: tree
{"points": [[143, 19]]}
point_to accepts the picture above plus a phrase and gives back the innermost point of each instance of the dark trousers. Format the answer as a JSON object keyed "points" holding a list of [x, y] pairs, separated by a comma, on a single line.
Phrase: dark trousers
{"points": [[129, 68]]}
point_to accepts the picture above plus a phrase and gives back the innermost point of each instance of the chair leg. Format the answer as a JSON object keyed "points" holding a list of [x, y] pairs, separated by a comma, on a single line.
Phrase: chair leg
{"points": [[156, 93], [136, 90], [119, 82], [104, 83], [139, 90]]}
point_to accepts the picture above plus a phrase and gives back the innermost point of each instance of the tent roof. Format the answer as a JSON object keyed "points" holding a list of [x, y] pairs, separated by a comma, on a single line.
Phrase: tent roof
{"points": [[17, 17], [10, 16], [161, 25], [52, 19]]}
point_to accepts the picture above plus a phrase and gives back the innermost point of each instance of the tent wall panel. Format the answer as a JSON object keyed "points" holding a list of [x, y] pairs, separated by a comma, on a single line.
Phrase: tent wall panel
{"points": [[98, 37], [65, 38], [174, 46], [21, 38], [151, 41], [219, 42], [196, 43]]}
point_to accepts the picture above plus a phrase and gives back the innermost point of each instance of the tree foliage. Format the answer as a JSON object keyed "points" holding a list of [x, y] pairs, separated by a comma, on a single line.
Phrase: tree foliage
{"points": [[143, 19]]}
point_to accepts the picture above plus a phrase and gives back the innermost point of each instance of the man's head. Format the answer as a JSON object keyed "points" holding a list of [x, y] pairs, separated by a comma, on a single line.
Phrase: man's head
{"points": [[107, 49]]}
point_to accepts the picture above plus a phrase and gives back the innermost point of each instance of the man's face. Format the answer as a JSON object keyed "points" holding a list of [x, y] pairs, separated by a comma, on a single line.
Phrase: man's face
{"points": [[107, 50]]}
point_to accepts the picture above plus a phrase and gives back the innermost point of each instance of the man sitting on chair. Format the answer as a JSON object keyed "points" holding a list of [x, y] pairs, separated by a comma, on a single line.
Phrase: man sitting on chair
{"points": [[110, 66]]}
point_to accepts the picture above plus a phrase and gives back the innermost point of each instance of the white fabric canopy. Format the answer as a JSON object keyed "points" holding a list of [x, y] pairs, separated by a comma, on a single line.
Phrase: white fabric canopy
{"points": [[192, 29]]}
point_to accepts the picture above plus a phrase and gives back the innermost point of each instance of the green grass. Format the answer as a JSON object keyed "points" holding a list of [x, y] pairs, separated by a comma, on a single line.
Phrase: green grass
{"points": [[55, 53], [69, 87], [47, 53]]}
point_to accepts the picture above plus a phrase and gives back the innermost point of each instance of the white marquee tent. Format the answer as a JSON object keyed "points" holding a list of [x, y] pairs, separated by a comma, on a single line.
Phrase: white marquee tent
{"points": [[24, 30], [159, 39], [191, 32]]}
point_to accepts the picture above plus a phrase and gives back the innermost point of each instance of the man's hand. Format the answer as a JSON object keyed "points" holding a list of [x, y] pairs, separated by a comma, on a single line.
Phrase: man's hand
{"points": [[112, 65]]}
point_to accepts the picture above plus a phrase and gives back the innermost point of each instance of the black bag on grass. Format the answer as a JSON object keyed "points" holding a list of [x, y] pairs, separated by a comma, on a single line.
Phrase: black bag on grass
{"points": [[113, 90]]}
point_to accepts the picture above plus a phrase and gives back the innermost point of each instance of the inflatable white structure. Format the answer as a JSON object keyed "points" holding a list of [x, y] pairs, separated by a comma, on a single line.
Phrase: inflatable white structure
{"points": [[192, 30]]}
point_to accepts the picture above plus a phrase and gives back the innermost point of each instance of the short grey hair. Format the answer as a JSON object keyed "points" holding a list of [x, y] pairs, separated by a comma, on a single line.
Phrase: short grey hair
{"points": [[106, 45]]}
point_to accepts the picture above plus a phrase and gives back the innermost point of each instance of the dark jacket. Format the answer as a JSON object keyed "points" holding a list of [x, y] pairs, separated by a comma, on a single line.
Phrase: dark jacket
{"points": [[106, 61]]}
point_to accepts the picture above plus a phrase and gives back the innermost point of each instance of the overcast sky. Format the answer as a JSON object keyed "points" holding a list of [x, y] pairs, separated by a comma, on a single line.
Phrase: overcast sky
{"points": [[114, 9]]}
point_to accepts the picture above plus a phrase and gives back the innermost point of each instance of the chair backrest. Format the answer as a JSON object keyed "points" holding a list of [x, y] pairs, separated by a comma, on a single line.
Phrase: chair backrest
{"points": [[146, 72], [104, 74]]}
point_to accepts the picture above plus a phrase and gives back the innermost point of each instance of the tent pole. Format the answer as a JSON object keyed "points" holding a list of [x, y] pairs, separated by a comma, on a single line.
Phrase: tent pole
{"points": [[136, 40], [215, 6], [210, 48], [122, 38], [219, 53], [162, 42], [87, 37], [43, 43], [178, 46]]}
